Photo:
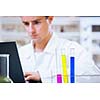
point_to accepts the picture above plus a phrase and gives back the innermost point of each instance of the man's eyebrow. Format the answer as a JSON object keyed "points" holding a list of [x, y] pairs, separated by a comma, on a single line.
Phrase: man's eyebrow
{"points": [[36, 20], [32, 20]]}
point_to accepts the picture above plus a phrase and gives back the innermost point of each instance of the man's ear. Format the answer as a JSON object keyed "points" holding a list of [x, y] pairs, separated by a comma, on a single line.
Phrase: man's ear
{"points": [[50, 19]]}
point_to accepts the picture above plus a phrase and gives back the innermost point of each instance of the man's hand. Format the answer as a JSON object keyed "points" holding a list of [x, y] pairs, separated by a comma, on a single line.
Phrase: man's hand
{"points": [[33, 76]]}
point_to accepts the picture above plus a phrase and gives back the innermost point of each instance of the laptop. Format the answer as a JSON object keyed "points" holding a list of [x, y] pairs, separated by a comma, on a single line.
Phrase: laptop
{"points": [[15, 68]]}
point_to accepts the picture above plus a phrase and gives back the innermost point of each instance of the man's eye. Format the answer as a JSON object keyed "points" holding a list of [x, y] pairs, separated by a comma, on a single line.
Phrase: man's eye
{"points": [[26, 23], [36, 22]]}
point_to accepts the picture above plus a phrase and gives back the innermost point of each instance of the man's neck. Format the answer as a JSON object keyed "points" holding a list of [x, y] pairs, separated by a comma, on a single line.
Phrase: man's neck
{"points": [[39, 47]]}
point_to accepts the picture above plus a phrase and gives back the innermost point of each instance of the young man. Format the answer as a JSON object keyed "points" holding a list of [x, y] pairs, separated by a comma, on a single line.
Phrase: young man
{"points": [[39, 60]]}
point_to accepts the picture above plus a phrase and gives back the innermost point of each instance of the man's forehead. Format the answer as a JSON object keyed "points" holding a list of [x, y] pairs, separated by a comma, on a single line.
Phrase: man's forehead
{"points": [[31, 18]]}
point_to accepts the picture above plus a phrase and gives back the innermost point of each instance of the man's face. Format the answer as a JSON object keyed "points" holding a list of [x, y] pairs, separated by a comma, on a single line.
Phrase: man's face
{"points": [[36, 26]]}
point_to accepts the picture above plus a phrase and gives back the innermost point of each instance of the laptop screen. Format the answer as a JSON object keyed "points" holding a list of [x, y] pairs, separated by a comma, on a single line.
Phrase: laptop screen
{"points": [[15, 69]]}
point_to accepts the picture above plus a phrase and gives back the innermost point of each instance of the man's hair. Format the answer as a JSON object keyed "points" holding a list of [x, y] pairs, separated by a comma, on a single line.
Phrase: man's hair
{"points": [[46, 17]]}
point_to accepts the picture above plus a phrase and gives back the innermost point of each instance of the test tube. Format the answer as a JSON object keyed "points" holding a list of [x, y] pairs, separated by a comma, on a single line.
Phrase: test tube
{"points": [[58, 68], [64, 66], [59, 78], [72, 66]]}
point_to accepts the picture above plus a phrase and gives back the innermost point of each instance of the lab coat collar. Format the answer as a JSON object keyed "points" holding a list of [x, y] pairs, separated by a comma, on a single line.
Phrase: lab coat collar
{"points": [[50, 48], [52, 45]]}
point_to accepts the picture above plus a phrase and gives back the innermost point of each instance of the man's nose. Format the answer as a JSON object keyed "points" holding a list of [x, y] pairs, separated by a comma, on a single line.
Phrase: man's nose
{"points": [[31, 28]]}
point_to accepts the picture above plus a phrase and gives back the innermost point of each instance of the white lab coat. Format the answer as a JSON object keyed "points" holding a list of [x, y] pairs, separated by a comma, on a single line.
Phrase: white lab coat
{"points": [[48, 65]]}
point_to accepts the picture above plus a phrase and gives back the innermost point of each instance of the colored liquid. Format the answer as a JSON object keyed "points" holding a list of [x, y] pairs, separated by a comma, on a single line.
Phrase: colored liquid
{"points": [[64, 68], [72, 69], [59, 78]]}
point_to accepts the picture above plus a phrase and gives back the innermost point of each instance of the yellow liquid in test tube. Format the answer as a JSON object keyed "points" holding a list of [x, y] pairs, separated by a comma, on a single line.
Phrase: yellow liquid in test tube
{"points": [[64, 67]]}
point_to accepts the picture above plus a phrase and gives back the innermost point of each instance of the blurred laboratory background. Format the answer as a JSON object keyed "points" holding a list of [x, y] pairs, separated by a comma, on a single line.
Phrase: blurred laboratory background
{"points": [[82, 29]]}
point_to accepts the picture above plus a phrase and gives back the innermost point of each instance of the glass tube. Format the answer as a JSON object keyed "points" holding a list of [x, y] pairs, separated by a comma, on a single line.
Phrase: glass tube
{"points": [[58, 66], [72, 66], [64, 66]]}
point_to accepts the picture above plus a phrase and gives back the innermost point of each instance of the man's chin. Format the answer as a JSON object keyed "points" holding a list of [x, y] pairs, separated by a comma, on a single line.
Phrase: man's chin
{"points": [[36, 40]]}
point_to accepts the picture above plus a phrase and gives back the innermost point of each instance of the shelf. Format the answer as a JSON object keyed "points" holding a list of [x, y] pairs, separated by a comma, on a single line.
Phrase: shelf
{"points": [[95, 35], [96, 49], [65, 20], [13, 35], [68, 34]]}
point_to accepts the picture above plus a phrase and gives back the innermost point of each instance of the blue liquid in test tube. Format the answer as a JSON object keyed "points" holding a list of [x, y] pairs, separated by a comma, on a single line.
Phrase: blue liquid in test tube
{"points": [[72, 66]]}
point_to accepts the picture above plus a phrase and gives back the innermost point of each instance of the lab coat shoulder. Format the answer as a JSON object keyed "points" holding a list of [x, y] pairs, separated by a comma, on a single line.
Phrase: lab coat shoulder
{"points": [[68, 45], [84, 64]]}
